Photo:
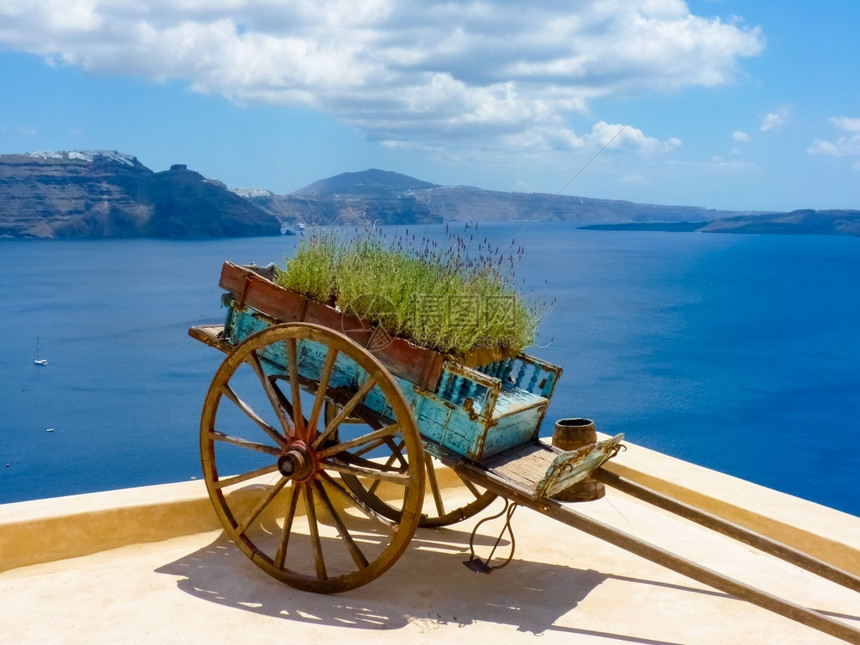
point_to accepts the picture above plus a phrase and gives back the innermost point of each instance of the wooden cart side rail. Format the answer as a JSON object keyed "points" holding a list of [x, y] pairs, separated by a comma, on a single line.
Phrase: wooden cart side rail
{"points": [[567, 515], [459, 383], [530, 374], [545, 375], [411, 362]]}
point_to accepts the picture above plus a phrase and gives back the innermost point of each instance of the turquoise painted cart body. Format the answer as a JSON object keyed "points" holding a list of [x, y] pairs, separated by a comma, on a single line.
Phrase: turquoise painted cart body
{"points": [[472, 412]]}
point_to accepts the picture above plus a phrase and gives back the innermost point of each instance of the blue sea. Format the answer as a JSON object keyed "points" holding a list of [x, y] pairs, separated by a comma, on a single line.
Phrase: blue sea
{"points": [[740, 353]]}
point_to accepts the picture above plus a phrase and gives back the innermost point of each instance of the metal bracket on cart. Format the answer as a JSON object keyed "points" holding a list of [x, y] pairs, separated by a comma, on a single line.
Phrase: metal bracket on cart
{"points": [[483, 566]]}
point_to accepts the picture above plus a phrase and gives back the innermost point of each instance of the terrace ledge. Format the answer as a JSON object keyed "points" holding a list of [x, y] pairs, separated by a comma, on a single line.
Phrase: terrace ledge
{"points": [[58, 528]]}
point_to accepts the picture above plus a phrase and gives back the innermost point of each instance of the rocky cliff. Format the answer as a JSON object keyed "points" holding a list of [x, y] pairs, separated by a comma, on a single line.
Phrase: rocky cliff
{"points": [[109, 194]]}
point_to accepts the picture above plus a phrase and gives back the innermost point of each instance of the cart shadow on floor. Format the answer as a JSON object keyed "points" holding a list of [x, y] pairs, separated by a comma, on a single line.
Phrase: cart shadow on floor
{"points": [[528, 595]]}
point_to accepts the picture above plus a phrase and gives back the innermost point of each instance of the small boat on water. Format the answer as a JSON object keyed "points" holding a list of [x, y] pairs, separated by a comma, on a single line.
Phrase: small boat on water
{"points": [[39, 360]]}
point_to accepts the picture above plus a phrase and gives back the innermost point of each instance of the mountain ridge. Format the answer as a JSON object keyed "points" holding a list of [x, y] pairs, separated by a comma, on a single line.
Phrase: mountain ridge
{"points": [[364, 182], [350, 198], [80, 194], [805, 221]]}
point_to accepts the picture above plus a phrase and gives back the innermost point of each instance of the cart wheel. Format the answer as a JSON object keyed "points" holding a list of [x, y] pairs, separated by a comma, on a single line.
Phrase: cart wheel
{"points": [[449, 504], [281, 502]]}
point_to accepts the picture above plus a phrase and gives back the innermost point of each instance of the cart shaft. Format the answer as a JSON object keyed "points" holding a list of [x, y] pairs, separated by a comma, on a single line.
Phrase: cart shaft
{"points": [[567, 515], [731, 530]]}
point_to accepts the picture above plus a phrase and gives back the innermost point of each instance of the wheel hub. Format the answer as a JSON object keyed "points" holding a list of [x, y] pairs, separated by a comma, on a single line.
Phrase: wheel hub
{"points": [[297, 463]]}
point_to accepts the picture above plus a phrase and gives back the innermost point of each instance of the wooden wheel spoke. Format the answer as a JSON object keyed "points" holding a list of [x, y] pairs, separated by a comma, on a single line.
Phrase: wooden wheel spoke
{"points": [[396, 455], [350, 498], [227, 391], [355, 553], [295, 390], [262, 504], [373, 445], [281, 553], [368, 469], [238, 479], [470, 486], [388, 464], [430, 469], [274, 395], [345, 411], [397, 451], [371, 437], [244, 443], [325, 376], [310, 509]]}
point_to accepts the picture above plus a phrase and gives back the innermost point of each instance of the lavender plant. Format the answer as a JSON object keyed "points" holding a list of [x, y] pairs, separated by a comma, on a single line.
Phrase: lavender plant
{"points": [[454, 297]]}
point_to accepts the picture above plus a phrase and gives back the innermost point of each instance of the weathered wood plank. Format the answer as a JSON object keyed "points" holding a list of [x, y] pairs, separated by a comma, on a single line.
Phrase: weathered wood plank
{"points": [[210, 334], [248, 287], [573, 466], [523, 466]]}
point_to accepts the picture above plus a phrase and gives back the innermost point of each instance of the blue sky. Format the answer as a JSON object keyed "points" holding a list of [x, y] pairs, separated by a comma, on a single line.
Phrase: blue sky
{"points": [[716, 103]]}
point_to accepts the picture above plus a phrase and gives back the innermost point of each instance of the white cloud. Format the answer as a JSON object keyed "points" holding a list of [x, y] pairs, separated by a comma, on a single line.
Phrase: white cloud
{"points": [[774, 120], [845, 123], [615, 136], [740, 136], [427, 74], [843, 146]]}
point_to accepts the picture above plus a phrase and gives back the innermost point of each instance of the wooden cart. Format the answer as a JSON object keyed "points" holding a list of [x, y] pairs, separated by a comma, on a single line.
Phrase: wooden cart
{"points": [[320, 438]]}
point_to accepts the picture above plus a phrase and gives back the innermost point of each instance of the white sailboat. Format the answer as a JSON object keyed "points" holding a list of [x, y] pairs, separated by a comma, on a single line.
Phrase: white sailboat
{"points": [[39, 360]]}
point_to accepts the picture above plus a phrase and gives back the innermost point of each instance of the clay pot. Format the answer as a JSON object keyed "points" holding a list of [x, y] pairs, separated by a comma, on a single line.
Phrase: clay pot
{"points": [[571, 434]]}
